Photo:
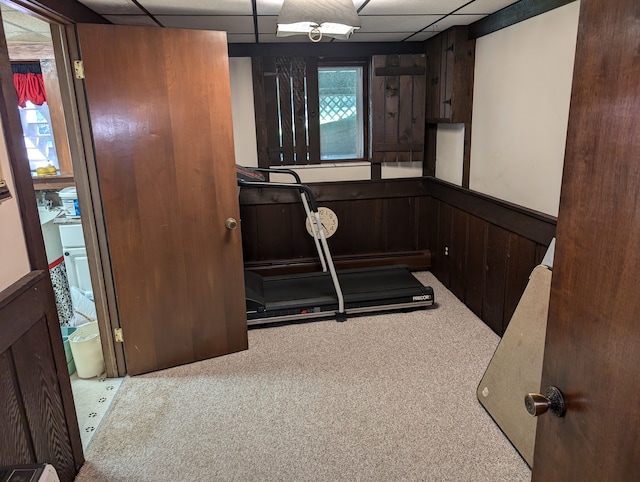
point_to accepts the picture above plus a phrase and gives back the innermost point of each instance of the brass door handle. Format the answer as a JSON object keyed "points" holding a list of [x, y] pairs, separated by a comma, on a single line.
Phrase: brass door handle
{"points": [[231, 223], [551, 401]]}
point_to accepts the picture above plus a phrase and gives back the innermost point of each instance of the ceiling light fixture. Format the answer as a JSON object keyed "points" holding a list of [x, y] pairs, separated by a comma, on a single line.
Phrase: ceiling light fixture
{"points": [[318, 18]]}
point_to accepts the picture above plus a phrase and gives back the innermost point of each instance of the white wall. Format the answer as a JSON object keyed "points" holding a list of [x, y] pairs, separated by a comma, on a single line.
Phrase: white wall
{"points": [[348, 171], [522, 88], [450, 152], [14, 262], [244, 124], [396, 170]]}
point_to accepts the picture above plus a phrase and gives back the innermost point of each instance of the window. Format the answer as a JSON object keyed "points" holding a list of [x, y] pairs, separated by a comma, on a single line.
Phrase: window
{"points": [[38, 137], [341, 112], [308, 111]]}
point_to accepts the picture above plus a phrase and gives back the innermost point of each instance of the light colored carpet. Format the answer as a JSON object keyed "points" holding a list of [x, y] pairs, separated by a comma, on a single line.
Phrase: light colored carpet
{"points": [[388, 397]]}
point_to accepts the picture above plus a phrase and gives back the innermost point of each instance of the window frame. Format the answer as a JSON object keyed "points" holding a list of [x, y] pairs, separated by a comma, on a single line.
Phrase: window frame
{"points": [[366, 121]]}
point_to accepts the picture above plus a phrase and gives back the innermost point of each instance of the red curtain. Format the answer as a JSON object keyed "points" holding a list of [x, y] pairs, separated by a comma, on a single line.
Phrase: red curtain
{"points": [[29, 87]]}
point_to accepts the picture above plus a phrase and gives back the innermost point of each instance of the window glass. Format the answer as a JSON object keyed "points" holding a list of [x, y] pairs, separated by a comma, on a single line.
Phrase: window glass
{"points": [[341, 113], [38, 137]]}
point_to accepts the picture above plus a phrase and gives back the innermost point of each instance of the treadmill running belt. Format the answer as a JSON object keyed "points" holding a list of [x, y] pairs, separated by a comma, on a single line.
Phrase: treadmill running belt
{"points": [[360, 287]]}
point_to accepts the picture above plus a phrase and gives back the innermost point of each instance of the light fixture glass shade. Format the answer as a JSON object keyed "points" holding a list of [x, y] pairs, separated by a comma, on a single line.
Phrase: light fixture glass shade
{"points": [[330, 18]]}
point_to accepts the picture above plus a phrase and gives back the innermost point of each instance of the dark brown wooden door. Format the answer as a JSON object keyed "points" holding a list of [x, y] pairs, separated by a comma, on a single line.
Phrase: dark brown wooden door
{"points": [[592, 350], [160, 111]]}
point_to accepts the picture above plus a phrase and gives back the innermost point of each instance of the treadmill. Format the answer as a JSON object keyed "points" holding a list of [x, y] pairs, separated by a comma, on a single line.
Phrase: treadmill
{"points": [[327, 293]]}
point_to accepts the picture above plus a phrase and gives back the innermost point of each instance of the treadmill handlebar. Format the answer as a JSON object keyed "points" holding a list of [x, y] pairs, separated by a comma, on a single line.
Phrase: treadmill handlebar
{"points": [[280, 185]]}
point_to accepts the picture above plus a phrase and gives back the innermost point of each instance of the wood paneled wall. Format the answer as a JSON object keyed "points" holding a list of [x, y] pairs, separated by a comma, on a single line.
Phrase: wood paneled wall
{"points": [[38, 418], [481, 248], [484, 249], [379, 222]]}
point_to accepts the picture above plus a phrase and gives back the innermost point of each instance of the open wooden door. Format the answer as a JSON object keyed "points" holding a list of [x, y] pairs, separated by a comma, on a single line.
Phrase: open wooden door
{"points": [[160, 112], [592, 351]]}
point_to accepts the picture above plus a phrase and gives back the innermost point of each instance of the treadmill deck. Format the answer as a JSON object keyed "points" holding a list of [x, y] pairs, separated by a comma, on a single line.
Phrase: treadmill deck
{"points": [[312, 295]]}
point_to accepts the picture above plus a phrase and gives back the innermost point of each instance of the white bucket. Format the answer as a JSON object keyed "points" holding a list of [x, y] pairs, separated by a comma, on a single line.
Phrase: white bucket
{"points": [[87, 350]]}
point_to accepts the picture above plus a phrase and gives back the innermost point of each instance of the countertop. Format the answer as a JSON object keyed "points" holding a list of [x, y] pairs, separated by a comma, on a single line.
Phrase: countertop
{"points": [[63, 219]]}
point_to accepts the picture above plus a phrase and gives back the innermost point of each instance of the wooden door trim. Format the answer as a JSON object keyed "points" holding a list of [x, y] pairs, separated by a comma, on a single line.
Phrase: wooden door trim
{"points": [[37, 282], [17, 153], [86, 181]]}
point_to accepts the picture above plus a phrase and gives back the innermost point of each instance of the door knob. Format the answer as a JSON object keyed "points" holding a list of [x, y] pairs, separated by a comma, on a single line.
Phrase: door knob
{"points": [[551, 401], [231, 223]]}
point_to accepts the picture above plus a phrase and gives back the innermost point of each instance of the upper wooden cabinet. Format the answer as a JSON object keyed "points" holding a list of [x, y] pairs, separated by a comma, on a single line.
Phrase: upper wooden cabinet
{"points": [[450, 64]]}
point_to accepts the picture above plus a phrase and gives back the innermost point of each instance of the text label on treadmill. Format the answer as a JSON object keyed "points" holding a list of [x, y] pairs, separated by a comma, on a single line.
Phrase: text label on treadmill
{"points": [[422, 298]]}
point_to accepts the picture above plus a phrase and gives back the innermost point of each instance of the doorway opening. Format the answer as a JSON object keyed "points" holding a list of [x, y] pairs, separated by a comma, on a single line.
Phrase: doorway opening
{"points": [[33, 61]]}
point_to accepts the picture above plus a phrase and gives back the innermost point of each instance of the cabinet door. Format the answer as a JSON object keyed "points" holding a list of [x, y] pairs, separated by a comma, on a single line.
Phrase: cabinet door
{"points": [[77, 267], [450, 65], [71, 236], [440, 74], [433, 78], [447, 73]]}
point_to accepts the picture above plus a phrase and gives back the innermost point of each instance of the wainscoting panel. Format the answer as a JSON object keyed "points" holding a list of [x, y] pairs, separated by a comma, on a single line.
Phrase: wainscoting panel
{"points": [[484, 249], [39, 420], [481, 248], [379, 222]]}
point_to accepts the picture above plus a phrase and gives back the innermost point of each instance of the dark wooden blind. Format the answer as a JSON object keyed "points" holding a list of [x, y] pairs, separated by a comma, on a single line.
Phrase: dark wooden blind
{"points": [[286, 105], [398, 103]]}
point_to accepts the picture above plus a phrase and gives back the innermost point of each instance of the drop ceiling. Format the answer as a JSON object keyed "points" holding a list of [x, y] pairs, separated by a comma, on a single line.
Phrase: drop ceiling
{"points": [[20, 28], [251, 21]]}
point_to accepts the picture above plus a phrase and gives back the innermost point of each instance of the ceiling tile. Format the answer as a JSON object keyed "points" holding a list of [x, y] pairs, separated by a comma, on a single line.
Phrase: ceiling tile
{"points": [[272, 7], [229, 23], [27, 22], [422, 36], [411, 7], [267, 24], [198, 7], [452, 20], [11, 29], [28, 38], [486, 6], [112, 7], [396, 23], [268, 7], [142, 20]]}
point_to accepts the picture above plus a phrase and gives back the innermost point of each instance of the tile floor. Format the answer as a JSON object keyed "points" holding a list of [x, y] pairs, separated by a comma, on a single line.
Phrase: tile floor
{"points": [[92, 397]]}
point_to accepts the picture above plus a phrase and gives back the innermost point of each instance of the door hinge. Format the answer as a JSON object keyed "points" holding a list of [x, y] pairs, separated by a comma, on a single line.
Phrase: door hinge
{"points": [[117, 335], [78, 66]]}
